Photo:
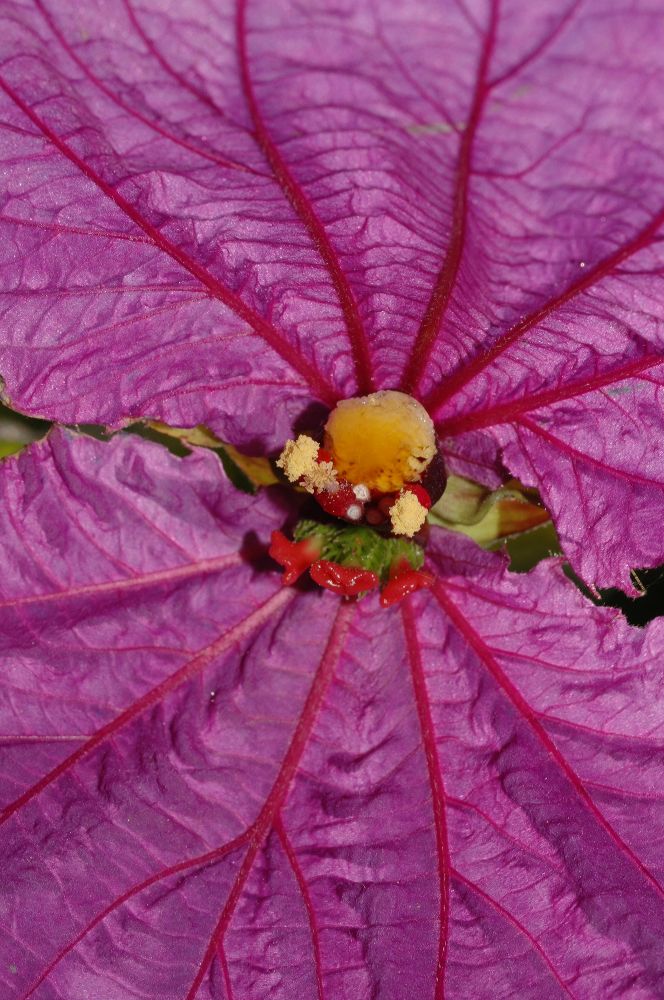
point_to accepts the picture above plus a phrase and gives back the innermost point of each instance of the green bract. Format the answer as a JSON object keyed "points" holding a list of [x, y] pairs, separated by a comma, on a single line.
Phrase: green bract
{"points": [[359, 545]]}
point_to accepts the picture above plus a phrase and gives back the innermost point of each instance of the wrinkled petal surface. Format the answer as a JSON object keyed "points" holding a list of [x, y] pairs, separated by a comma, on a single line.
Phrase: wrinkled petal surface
{"points": [[214, 787]]}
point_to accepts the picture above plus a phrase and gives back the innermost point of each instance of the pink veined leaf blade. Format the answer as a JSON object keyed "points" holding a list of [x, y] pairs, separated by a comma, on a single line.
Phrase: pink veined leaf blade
{"points": [[211, 783]]}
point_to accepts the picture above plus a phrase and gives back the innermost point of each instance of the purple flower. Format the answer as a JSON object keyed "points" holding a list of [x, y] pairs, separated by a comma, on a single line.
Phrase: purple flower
{"points": [[213, 785]]}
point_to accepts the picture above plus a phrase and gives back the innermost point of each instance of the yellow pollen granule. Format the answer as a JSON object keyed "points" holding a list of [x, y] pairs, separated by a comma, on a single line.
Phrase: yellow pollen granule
{"points": [[407, 514], [299, 460], [322, 477]]}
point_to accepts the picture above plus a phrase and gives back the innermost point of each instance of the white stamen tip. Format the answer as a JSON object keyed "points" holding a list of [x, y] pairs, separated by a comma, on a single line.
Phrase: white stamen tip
{"points": [[362, 492], [354, 512]]}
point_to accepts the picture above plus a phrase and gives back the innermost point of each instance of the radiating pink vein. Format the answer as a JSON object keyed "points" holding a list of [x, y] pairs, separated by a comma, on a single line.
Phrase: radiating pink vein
{"points": [[437, 790], [279, 790], [648, 742], [580, 456], [530, 717], [541, 47], [225, 971], [322, 389], [465, 805], [113, 96], [155, 695], [182, 79], [289, 850], [201, 860], [452, 385], [62, 229], [291, 189], [289, 186], [503, 413], [304, 208], [73, 291], [201, 567], [17, 739], [510, 918], [447, 275]]}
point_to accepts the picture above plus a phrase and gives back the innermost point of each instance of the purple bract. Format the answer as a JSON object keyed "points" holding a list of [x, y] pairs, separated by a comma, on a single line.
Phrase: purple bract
{"points": [[210, 780], [214, 787]]}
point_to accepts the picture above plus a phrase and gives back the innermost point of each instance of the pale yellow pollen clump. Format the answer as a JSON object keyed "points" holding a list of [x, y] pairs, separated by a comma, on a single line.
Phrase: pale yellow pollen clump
{"points": [[407, 514], [299, 460], [383, 440], [322, 477]]}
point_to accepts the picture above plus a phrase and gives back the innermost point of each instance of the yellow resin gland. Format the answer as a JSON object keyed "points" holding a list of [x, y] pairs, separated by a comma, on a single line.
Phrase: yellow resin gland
{"points": [[383, 440], [299, 460], [407, 515]]}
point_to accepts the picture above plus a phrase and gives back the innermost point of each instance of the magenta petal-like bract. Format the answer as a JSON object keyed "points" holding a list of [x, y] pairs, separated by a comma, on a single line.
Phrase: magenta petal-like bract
{"points": [[215, 787], [225, 213]]}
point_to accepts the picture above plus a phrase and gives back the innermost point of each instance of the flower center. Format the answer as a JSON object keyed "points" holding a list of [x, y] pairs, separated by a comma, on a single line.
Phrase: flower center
{"points": [[377, 467], [375, 456]]}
